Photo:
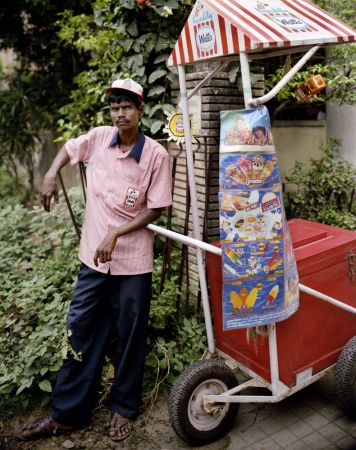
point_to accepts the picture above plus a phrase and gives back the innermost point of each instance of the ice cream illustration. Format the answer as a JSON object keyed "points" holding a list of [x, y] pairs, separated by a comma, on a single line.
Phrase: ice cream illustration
{"points": [[277, 226], [258, 162], [269, 202], [232, 255], [232, 171], [245, 166], [272, 294], [267, 170]]}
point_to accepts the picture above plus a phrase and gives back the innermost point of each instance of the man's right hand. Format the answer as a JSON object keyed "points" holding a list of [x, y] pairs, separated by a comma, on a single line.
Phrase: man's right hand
{"points": [[49, 189]]}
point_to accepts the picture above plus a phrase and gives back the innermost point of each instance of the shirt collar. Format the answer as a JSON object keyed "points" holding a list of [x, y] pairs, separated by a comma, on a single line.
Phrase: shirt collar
{"points": [[136, 150]]}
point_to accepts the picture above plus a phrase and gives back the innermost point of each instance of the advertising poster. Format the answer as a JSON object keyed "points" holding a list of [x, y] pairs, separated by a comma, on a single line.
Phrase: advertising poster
{"points": [[245, 130], [253, 302], [260, 278], [252, 259], [249, 171], [250, 215]]}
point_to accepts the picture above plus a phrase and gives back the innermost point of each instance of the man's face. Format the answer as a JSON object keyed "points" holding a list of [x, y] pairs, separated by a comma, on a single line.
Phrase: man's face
{"points": [[125, 115]]}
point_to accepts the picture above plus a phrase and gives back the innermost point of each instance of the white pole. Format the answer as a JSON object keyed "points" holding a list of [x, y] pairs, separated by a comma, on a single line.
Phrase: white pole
{"points": [[272, 336], [185, 239], [194, 203], [326, 298], [259, 101], [273, 358], [246, 79]]}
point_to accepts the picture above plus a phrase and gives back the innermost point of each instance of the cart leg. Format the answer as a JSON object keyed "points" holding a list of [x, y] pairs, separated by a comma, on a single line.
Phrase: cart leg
{"points": [[273, 358], [195, 211]]}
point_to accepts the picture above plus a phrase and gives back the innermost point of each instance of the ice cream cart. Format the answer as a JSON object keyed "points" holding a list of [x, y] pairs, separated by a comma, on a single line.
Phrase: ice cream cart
{"points": [[204, 401]]}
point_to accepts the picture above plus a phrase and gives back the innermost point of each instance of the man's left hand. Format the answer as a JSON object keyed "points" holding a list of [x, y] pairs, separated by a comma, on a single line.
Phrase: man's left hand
{"points": [[105, 249]]}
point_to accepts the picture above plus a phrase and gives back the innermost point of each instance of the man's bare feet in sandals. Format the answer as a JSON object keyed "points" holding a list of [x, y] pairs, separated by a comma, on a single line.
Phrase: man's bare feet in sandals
{"points": [[40, 428], [120, 427]]}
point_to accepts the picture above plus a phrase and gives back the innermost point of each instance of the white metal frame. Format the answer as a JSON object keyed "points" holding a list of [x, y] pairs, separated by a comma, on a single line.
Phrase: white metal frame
{"points": [[278, 389]]}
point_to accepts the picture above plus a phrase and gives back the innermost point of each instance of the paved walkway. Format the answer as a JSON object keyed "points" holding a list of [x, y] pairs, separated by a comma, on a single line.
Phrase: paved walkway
{"points": [[310, 419]]}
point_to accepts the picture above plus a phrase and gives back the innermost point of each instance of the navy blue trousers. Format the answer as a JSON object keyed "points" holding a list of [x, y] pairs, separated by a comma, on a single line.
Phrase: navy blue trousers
{"points": [[98, 300]]}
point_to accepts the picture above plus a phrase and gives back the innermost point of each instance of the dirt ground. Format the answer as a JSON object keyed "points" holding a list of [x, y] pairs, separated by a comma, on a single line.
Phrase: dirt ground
{"points": [[152, 430]]}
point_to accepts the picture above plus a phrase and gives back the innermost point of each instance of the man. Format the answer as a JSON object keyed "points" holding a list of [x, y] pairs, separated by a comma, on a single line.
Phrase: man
{"points": [[129, 184]]}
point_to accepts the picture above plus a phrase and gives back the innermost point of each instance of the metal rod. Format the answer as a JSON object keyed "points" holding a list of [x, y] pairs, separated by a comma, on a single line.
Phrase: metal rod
{"points": [[185, 239], [259, 101], [273, 358], [194, 202], [283, 393], [206, 79], [326, 298], [77, 229], [246, 79]]}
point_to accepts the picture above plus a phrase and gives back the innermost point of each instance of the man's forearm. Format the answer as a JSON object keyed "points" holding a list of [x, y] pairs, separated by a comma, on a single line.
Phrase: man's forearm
{"points": [[140, 221], [104, 251], [49, 187], [59, 162]]}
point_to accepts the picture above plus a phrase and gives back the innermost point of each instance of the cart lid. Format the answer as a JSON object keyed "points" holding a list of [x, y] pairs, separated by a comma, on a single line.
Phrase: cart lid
{"points": [[217, 29]]}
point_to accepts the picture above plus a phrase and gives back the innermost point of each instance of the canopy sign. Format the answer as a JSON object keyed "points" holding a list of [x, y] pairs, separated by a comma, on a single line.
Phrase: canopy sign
{"points": [[218, 28]]}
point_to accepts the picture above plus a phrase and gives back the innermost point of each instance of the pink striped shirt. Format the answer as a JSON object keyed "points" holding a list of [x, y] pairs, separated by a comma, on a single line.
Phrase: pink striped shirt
{"points": [[120, 186]]}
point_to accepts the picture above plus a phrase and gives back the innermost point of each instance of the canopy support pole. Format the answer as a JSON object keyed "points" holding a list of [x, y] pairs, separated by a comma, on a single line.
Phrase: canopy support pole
{"points": [[246, 79], [272, 337], [194, 203], [259, 101], [206, 79]]}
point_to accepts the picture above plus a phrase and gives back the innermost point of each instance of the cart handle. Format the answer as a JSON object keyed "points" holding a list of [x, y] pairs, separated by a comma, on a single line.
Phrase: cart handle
{"points": [[326, 298]]}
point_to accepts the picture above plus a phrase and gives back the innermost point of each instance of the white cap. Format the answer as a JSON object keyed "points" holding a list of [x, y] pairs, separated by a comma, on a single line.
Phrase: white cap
{"points": [[127, 85]]}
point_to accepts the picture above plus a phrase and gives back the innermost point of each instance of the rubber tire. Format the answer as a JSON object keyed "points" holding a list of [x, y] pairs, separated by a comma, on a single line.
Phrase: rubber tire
{"points": [[345, 378], [184, 387]]}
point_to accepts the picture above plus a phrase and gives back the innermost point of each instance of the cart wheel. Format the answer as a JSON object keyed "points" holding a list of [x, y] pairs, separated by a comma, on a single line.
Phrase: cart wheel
{"points": [[188, 418], [345, 378]]}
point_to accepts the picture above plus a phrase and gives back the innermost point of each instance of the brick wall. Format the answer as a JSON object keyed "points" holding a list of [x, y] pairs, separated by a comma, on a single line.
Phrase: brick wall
{"points": [[217, 95]]}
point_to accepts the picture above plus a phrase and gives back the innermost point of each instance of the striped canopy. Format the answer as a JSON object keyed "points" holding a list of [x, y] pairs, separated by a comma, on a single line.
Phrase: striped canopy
{"points": [[219, 28]]}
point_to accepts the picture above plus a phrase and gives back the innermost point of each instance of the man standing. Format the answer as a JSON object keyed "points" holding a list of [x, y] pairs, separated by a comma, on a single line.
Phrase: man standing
{"points": [[129, 184]]}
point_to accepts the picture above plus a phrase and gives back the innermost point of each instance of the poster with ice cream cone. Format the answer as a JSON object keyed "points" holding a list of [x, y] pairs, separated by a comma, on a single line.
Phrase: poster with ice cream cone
{"points": [[260, 278], [245, 130], [248, 171]]}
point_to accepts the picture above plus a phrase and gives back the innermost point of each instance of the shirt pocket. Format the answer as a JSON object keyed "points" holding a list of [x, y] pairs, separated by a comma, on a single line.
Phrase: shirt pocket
{"points": [[98, 181], [130, 196]]}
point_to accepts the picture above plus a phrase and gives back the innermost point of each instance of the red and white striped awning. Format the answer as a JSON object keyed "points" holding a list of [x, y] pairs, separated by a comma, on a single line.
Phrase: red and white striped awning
{"points": [[218, 28]]}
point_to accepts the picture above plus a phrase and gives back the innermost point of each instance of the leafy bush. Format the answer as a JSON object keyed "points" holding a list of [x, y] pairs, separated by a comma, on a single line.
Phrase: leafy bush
{"points": [[38, 271], [324, 191]]}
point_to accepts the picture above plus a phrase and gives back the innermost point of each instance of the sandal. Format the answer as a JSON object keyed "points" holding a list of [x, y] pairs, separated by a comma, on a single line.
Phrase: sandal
{"points": [[40, 428], [117, 423]]}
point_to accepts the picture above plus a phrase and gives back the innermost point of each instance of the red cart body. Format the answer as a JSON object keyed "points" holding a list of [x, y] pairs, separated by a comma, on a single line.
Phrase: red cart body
{"points": [[314, 336]]}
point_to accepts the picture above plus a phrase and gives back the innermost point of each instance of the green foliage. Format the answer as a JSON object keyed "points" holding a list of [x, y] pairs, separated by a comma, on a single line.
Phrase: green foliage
{"points": [[38, 271], [338, 66], [324, 191], [21, 121], [125, 40]]}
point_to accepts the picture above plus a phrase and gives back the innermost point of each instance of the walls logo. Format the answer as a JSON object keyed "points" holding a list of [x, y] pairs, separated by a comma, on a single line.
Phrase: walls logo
{"points": [[205, 38], [287, 21], [281, 17], [204, 30]]}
